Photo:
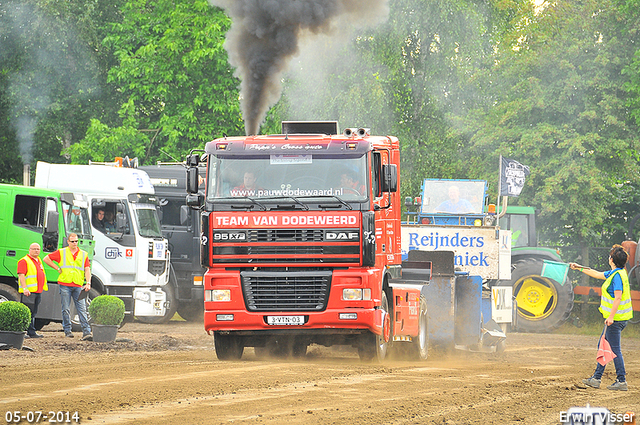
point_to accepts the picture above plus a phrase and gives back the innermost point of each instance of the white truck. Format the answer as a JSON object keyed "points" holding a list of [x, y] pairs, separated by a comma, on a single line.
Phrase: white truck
{"points": [[131, 258]]}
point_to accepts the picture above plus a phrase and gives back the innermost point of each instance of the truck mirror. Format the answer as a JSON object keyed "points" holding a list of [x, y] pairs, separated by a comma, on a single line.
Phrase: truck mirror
{"points": [[389, 178], [192, 180], [160, 212], [52, 222], [121, 222], [195, 200], [185, 213], [193, 160]]}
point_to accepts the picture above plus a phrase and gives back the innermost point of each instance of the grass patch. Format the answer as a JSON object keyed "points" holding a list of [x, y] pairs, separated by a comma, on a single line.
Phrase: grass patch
{"points": [[595, 326]]}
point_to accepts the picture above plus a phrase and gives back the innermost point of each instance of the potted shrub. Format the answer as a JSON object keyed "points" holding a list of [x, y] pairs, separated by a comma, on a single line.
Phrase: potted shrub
{"points": [[14, 322], [107, 313]]}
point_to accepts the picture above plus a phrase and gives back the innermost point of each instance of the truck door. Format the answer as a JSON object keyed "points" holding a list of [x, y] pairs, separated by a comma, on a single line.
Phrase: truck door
{"points": [[179, 234], [115, 249], [27, 226]]}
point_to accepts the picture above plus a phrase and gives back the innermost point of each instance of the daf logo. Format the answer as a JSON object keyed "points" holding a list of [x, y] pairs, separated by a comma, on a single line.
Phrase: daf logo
{"points": [[341, 236]]}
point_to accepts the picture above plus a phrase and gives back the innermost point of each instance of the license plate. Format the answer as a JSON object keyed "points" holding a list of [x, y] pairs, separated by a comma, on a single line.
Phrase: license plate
{"points": [[285, 320]]}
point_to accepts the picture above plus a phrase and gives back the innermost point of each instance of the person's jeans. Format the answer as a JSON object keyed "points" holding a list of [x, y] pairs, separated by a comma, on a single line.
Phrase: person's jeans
{"points": [[612, 335], [68, 293], [32, 301]]}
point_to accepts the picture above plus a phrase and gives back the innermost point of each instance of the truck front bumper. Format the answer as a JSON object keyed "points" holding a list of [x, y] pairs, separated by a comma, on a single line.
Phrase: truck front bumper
{"points": [[338, 321]]}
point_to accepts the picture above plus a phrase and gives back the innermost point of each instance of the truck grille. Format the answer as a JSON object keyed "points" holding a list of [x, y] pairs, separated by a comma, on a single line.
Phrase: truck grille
{"points": [[278, 246], [286, 291], [157, 267], [285, 235]]}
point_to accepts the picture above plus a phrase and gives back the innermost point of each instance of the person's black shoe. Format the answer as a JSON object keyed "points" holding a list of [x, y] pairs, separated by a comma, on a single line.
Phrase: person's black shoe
{"points": [[35, 336], [87, 337]]}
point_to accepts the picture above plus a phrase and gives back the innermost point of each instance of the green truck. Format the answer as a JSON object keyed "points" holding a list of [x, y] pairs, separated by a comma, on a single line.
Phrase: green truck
{"points": [[28, 215]]}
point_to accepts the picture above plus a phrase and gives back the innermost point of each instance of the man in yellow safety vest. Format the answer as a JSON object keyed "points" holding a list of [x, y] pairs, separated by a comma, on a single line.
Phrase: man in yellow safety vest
{"points": [[74, 268], [31, 282], [616, 308]]}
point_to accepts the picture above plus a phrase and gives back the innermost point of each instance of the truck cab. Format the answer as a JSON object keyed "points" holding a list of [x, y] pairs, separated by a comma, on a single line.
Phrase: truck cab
{"points": [[28, 215], [181, 228], [131, 259], [300, 238]]}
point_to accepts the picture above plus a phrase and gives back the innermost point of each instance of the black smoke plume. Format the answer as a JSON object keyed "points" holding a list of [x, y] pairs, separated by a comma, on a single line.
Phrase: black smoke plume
{"points": [[266, 34]]}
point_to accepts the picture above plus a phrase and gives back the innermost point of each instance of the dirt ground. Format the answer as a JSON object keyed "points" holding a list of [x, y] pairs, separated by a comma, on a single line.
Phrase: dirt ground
{"points": [[169, 374]]}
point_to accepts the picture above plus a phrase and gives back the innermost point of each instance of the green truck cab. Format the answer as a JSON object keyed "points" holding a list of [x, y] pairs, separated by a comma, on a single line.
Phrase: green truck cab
{"points": [[28, 215]]}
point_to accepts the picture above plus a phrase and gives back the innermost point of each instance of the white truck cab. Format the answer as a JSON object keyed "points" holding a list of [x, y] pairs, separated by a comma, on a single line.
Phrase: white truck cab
{"points": [[131, 259]]}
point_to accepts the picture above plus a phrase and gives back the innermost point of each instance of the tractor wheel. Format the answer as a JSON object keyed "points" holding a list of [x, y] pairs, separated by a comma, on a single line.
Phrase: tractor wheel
{"points": [[374, 347], [542, 303]]}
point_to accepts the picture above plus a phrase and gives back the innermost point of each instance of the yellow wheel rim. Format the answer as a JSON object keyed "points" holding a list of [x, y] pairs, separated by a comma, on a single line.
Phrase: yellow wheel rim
{"points": [[536, 297]]}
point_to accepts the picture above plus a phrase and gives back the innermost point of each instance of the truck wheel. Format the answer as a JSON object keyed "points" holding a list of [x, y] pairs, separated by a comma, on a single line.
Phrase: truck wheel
{"points": [[7, 293], [169, 312], [75, 319], [374, 347], [419, 347], [40, 323], [191, 312], [228, 347], [542, 303], [299, 349]]}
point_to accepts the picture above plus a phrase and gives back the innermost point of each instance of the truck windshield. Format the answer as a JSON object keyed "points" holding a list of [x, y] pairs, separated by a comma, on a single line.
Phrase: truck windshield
{"points": [[76, 220], [453, 196], [276, 176], [147, 219]]}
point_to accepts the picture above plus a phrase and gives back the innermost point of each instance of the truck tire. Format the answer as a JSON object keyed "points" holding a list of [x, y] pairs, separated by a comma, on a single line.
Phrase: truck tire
{"points": [[41, 323], [75, 320], [191, 312], [374, 347], [419, 347], [7, 293], [228, 346], [169, 289], [542, 303]]}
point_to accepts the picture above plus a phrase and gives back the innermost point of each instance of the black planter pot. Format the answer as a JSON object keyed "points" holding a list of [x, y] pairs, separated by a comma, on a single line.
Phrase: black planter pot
{"points": [[16, 339], [104, 333]]}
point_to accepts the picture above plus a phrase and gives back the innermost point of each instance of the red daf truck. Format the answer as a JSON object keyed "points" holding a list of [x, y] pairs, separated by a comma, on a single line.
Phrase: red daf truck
{"points": [[301, 241]]}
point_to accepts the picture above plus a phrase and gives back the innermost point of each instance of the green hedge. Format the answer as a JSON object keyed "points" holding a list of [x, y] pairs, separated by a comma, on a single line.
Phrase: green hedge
{"points": [[14, 316], [107, 310]]}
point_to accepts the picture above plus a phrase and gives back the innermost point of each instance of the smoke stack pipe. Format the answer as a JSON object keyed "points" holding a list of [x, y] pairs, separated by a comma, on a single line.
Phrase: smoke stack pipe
{"points": [[26, 173]]}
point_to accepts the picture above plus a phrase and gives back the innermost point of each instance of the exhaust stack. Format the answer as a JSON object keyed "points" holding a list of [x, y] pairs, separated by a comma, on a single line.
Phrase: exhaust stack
{"points": [[26, 175]]}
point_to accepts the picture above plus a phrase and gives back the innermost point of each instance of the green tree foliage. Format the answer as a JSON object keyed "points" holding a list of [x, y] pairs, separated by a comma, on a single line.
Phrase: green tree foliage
{"points": [[173, 71], [53, 66], [557, 106]]}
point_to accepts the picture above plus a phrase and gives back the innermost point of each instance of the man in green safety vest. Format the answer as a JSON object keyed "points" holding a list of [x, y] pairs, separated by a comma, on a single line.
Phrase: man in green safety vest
{"points": [[616, 308]]}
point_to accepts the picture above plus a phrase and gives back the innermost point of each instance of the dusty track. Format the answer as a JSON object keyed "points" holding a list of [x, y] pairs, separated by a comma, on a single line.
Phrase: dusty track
{"points": [[169, 374]]}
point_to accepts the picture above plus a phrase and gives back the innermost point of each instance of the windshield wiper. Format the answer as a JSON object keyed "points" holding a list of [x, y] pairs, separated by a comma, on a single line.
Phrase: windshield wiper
{"points": [[264, 208], [330, 196], [293, 198]]}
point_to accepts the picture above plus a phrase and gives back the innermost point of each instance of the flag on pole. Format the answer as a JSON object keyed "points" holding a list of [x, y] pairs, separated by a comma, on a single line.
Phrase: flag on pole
{"points": [[512, 176]]}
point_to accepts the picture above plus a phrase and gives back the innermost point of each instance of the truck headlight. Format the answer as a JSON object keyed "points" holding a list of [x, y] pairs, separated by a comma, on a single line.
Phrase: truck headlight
{"points": [[217, 295], [356, 294]]}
